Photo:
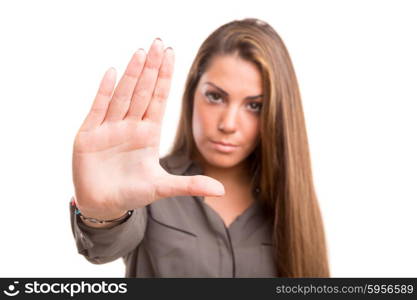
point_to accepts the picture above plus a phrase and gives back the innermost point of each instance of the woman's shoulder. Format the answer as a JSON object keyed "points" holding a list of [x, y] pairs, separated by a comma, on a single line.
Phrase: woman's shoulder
{"points": [[175, 163]]}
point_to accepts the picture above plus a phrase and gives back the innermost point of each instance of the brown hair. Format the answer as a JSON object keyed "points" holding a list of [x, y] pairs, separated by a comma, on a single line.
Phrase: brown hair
{"points": [[281, 161]]}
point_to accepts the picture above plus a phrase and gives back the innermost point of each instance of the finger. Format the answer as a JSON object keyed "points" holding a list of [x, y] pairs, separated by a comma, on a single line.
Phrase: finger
{"points": [[157, 105], [101, 102], [198, 185], [120, 102], [146, 84]]}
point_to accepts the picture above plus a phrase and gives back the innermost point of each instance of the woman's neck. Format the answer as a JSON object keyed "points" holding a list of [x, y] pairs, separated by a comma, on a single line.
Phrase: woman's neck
{"points": [[238, 175]]}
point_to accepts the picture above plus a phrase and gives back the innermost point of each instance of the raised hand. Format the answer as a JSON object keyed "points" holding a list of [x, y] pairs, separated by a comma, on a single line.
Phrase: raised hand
{"points": [[116, 150]]}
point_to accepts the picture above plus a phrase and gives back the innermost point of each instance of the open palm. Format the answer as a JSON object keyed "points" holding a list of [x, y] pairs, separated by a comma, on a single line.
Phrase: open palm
{"points": [[116, 150]]}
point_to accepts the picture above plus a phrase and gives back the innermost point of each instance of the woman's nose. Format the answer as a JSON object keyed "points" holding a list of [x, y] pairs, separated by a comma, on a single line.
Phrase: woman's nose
{"points": [[228, 120]]}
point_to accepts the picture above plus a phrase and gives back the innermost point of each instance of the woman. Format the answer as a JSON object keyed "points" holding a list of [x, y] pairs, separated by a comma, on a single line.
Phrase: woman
{"points": [[246, 206]]}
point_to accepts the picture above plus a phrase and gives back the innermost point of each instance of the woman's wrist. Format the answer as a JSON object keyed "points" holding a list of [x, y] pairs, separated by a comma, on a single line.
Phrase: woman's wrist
{"points": [[106, 220], [98, 225], [93, 219]]}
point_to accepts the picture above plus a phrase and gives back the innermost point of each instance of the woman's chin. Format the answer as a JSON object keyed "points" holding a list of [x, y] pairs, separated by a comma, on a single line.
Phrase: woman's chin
{"points": [[222, 161]]}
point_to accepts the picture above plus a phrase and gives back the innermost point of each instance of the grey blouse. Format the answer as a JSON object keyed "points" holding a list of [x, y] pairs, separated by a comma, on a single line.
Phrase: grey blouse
{"points": [[182, 237]]}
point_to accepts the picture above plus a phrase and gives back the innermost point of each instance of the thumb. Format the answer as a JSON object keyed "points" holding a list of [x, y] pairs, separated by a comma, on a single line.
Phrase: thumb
{"points": [[198, 185]]}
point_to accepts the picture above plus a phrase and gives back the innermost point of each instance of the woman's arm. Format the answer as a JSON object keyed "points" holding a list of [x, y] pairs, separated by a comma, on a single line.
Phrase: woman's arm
{"points": [[106, 244]]}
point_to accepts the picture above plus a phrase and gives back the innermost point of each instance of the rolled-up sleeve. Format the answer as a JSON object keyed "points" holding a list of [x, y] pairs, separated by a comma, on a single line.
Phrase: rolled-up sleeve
{"points": [[103, 245]]}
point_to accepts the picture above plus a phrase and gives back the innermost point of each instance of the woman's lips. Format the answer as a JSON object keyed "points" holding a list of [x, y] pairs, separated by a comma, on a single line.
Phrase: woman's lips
{"points": [[223, 147]]}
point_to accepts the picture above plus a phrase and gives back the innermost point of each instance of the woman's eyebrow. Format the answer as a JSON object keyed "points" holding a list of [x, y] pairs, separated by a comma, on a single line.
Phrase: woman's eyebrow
{"points": [[225, 93]]}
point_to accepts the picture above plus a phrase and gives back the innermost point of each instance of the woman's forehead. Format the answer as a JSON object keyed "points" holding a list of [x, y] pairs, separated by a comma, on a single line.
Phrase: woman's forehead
{"points": [[232, 73]]}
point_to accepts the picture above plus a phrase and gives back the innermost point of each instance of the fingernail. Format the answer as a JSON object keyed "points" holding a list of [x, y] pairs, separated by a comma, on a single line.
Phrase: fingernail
{"points": [[219, 190], [158, 39], [111, 71]]}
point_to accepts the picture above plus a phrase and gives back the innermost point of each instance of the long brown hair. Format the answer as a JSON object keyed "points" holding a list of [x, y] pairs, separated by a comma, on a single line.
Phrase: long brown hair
{"points": [[280, 163]]}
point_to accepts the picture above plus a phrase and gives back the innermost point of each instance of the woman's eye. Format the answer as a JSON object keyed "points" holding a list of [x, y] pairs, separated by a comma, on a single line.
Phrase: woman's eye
{"points": [[213, 97], [255, 106]]}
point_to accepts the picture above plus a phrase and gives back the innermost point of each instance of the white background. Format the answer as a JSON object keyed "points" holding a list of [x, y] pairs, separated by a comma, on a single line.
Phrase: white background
{"points": [[356, 62]]}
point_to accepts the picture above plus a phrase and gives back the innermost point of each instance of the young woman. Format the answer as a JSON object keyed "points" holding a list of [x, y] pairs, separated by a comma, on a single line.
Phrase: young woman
{"points": [[235, 196]]}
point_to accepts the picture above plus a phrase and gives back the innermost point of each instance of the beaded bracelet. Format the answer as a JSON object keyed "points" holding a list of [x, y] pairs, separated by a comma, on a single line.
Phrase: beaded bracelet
{"points": [[93, 220]]}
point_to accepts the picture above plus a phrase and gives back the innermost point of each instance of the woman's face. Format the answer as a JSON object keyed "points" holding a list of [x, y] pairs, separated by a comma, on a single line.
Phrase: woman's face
{"points": [[226, 113]]}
